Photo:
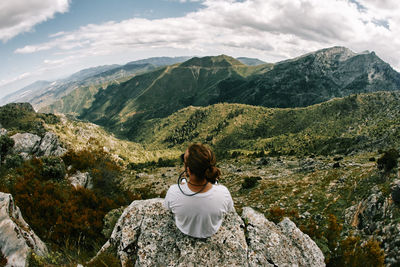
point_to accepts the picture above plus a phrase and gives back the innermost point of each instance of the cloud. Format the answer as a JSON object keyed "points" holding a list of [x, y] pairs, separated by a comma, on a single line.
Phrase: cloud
{"points": [[274, 29], [18, 16]]}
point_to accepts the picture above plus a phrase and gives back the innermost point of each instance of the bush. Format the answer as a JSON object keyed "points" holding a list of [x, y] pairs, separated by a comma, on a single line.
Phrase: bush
{"points": [[388, 161], [352, 252], [250, 182], [60, 214], [14, 161], [53, 168], [6, 144]]}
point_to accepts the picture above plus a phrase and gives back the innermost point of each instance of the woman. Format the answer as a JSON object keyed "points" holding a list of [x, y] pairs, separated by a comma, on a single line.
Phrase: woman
{"points": [[199, 204]]}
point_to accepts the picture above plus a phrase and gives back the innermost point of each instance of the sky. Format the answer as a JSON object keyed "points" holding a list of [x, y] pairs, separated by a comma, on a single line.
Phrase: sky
{"points": [[51, 39]]}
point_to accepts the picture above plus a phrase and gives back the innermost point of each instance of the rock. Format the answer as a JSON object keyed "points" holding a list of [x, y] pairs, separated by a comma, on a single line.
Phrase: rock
{"points": [[50, 146], [2, 131], [279, 245], [17, 239], [82, 179], [25, 144], [373, 218], [146, 235]]}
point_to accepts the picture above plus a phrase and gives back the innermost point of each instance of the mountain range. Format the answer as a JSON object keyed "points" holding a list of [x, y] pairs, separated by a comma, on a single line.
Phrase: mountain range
{"points": [[303, 81], [41, 94]]}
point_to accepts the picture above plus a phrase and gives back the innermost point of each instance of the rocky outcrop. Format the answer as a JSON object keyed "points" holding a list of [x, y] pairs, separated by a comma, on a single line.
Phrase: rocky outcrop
{"points": [[50, 146], [17, 239], [279, 245], [146, 235], [82, 179], [374, 218], [27, 144]]}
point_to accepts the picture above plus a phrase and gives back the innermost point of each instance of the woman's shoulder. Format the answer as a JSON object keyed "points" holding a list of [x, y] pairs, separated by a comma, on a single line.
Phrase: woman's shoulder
{"points": [[221, 188]]}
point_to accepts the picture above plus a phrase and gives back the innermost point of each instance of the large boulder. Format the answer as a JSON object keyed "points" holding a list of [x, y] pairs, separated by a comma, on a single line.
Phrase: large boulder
{"points": [[17, 239], [50, 146], [146, 235], [279, 245], [25, 144]]}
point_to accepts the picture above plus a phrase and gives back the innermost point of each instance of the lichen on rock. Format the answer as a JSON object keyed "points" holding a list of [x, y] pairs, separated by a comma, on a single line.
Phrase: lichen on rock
{"points": [[146, 235]]}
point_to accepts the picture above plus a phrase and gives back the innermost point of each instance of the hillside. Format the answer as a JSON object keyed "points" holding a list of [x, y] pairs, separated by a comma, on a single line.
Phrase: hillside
{"points": [[365, 122], [160, 93]]}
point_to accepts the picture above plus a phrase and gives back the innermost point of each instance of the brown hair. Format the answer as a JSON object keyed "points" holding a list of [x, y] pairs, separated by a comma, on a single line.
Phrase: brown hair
{"points": [[201, 161]]}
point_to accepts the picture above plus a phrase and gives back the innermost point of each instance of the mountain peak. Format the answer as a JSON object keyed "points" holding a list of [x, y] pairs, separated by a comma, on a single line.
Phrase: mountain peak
{"points": [[212, 61], [338, 53]]}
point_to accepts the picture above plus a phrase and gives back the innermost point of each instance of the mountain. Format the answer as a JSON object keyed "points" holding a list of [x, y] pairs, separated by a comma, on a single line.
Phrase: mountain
{"points": [[25, 92], [312, 78], [161, 92], [47, 96], [251, 61]]}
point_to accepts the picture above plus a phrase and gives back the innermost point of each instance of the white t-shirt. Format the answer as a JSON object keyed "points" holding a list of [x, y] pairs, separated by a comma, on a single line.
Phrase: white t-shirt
{"points": [[200, 215]]}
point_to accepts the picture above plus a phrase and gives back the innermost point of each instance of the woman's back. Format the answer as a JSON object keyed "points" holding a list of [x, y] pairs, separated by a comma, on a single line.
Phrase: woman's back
{"points": [[199, 215]]}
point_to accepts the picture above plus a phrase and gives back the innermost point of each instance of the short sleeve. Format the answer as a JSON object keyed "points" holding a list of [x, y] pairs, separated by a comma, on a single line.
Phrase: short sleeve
{"points": [[229, 201], [167, 200]]}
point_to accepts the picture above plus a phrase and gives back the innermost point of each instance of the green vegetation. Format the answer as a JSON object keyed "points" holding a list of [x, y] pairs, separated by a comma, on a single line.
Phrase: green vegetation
{"points": [[389, 160], [340, 126], [21, 117], [68, 219]]}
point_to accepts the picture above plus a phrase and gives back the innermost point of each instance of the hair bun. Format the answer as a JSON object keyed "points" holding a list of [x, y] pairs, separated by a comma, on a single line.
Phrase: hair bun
{"points": [[212, 173]]}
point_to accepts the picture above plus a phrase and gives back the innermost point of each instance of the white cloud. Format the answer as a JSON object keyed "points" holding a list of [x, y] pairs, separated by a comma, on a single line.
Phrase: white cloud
{"points": [[18, 16], [271, 30]]}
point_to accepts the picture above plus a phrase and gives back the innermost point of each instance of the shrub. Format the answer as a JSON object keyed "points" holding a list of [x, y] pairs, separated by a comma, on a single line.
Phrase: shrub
{"points": [[388, 161], [6, 144], [276, 214], [333, 231], [14, 161], [396, 193], [250, 182], [53, 168], [352, 252], [59, 213]]}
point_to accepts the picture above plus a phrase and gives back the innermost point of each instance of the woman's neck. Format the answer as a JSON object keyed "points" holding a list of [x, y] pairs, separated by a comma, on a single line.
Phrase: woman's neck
{"points": [[195, 184]]}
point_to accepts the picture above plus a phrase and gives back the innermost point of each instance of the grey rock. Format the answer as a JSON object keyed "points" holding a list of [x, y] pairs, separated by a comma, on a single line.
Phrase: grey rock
{"points": [[17, 239], [82, 179], [25, 143], [279, 245], [373, 218], [146, 235], [50, 146]]}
